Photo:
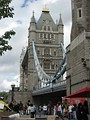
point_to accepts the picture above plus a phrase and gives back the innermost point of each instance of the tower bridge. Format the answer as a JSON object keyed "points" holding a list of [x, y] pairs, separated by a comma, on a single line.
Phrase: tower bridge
{"points": [[44, 62]]}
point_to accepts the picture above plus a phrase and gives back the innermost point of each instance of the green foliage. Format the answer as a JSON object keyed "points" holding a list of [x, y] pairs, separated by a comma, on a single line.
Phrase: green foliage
{"points": [[5, 11], [4, 95]]}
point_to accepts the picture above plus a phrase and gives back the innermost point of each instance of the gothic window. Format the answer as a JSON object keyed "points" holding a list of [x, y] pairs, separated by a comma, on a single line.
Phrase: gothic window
{"points": [[48, 28], [52, 35], [46, 65], [46, 51], [45, 36], [44, 27], [52, 66], [38, 52], [41, 64], [41, 36], [55, 53], [79, 13], [48, 36]]}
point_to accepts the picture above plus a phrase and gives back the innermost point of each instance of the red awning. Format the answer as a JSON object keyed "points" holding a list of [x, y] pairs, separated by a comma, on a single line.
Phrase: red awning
{"points": [[85, 92]]}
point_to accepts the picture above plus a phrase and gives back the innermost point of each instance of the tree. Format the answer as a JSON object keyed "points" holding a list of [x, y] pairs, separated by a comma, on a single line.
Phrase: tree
{"points": [[4, 95], [5, 12]]}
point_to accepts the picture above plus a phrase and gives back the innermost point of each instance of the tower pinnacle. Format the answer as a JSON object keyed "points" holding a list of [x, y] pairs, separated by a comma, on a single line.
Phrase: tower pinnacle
{"points": [[45, 9]]}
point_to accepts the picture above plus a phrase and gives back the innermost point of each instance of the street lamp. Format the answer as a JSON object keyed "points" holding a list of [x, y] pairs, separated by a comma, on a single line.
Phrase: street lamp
{"points": [[13, 86]]}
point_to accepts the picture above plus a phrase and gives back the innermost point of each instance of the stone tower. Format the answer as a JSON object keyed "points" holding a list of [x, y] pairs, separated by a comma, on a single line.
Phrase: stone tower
{"points": [[78, 52], [47, 36], [80, 17]]}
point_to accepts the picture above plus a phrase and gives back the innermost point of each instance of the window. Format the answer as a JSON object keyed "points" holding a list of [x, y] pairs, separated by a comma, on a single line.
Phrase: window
{"points": [[55, 53], [46, 51], [47, 65], [79, 13], [44, 35], [38, 52], [41, 36], [48, 36], [44, 27], [52, 35], [49, 28], [52, 66]]}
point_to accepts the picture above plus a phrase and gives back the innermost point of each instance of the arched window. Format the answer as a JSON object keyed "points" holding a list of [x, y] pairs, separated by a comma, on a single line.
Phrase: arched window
{"points": [[44, 27], [48, 28], [46, 51]]}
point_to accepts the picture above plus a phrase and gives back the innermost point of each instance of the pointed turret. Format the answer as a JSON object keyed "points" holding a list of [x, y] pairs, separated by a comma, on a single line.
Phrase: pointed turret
{"points": [[32, 28], [60, 25], [60, 29], [33, 23], [33, 18], [60, 21]]}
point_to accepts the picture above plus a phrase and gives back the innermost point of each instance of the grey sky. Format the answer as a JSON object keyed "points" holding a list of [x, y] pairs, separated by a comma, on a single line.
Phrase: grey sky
{"points": [[9, 62]]}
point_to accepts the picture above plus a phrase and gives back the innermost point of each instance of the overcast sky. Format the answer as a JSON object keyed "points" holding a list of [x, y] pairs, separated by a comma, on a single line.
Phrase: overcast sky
{"points": [[10, 61]]}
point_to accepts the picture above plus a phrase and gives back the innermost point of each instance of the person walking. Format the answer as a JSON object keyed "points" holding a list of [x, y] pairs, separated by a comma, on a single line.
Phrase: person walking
{"points": [[70, 108], [32, 110], [45, 109], [80, 112], [60, 114], [85, 110]]}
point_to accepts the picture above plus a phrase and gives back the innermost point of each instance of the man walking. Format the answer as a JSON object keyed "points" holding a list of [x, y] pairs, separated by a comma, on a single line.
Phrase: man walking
{"points": [[60, 115]]}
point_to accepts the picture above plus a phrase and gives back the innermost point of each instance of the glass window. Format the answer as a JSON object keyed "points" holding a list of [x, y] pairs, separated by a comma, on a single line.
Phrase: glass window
{"points": [[49, 28], [44, 27], [38, 52], [46, 51], [41, 36], [79, 12], [52, 35], [48, 36], [44, 35], [52, 66], [47, 65], [55, 53]]}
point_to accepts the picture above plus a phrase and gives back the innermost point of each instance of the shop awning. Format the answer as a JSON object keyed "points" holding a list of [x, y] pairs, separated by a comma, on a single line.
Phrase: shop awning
{"points": [[84, 92]]}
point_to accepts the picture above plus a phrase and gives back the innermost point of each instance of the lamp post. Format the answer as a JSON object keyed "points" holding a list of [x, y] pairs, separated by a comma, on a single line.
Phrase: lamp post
{"points": [[13, 86]]}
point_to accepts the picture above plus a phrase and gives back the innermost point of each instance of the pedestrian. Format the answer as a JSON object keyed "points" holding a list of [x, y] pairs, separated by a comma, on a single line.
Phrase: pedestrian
{"points": [[56, 108], [70, 108], [32, 110], [60, 114], [85, 110], [80, 111], [21, 108], [45, 109], [74, 110], [40, 110]]}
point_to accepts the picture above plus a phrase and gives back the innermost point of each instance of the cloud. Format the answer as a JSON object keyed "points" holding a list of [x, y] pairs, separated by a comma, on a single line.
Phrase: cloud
{"points": [[7, 85], [10, 61], [26, 3], [49, 1]]}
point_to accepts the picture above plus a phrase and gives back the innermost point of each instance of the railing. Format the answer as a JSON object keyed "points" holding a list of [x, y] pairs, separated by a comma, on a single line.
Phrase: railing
{"points": [[52, 88]]}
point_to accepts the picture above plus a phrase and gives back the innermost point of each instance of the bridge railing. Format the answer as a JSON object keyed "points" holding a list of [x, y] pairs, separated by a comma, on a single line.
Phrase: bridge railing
{"points": [[52, 88]]}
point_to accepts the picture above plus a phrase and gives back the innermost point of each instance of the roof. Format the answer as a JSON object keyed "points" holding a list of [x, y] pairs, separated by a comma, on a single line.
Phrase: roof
{"points": [[46, 16]]}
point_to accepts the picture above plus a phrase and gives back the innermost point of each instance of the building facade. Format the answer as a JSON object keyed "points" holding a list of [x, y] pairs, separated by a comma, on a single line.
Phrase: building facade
{"points": [[78, 52], [47, 36]]}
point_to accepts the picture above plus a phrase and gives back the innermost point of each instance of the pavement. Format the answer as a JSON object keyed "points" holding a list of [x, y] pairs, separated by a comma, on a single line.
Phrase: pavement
{"points": [[42, 116]]}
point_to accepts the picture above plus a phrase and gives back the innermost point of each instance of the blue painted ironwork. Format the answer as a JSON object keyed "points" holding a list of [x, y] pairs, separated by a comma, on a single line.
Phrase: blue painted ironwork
{"points": [[43, 77]]}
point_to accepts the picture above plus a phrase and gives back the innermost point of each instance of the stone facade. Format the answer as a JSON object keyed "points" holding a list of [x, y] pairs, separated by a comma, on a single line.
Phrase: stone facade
{"points": [[78, 59], [47, 36], [80, 17], [78, 52]]}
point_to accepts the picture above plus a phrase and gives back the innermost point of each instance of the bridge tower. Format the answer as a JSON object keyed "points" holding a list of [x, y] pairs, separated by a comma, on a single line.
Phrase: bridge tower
{"points": [[80, 17], [78, 51], [47, 36]]}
